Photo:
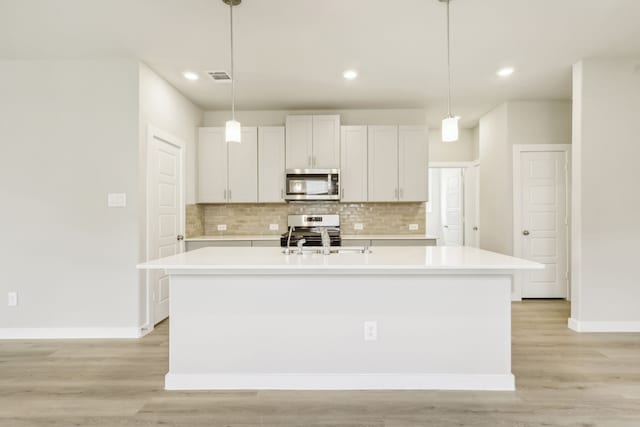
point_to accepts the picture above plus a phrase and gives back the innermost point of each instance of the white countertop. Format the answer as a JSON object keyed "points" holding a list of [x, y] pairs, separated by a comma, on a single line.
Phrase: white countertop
{"points": [[423, 260], [236, 237]]}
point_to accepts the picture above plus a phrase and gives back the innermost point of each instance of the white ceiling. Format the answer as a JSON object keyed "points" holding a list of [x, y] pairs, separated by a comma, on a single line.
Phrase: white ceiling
{"points": [[290, 54]]}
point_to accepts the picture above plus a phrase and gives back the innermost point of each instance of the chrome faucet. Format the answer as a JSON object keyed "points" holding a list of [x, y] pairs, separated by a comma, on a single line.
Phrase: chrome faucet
{"points": [[326, 241], [299, 245]]}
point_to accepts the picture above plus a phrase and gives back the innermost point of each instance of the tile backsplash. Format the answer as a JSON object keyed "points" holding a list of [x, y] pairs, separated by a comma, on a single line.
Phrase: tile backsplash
{"points": [[255, 219]]}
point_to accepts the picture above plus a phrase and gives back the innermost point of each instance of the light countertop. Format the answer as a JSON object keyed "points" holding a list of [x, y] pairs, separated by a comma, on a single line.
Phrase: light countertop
{"points": [[236, 237], [422, 260]]}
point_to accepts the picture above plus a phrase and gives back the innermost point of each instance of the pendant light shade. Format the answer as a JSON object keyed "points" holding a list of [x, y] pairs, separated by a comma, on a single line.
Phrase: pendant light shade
{"points": [[232, 128], [449, 123], [450, 129], [233, 131]]}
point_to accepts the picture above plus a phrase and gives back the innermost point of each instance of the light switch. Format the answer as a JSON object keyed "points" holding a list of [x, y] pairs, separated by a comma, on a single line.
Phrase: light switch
{"points": [[413, 227], [358, 226], [274, 227], [222, 227], [12, 299], [117, 200]]}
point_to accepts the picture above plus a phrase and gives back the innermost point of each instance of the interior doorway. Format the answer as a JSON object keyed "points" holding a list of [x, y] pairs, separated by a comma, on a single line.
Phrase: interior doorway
{"points": [[452, 211]]}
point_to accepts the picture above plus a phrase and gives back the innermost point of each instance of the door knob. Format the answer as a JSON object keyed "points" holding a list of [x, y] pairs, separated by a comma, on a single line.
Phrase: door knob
{"points": [[445, 226], [180, 237], [475, 228], [525, 233]]}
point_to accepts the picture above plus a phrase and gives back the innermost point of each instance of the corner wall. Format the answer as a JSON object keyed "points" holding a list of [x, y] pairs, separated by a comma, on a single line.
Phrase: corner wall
{"points": [[69, 136], [606, 200]]}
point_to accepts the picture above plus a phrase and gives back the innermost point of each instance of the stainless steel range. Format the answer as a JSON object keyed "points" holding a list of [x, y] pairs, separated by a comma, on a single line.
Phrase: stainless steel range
{"points": [[312, 230]]}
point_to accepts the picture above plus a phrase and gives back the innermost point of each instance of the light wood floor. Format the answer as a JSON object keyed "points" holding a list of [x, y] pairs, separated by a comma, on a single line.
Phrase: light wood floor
{"points": [[563, 379]]}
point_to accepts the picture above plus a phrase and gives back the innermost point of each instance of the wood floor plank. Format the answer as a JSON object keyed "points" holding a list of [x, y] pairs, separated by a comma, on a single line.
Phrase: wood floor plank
{"points": [[563, 379]]}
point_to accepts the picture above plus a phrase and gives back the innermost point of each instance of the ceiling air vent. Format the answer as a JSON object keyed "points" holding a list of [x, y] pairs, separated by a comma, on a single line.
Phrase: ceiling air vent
{"points": [[219, 76]]}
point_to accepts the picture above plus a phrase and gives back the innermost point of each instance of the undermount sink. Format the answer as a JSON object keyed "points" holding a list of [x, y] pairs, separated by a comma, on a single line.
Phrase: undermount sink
{"points": [[333, 250]]}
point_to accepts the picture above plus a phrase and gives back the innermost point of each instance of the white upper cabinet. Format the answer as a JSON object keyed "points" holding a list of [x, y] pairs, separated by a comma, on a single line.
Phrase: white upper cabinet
{"points": [[212, 166], [383, 163], [326, 142], [299, 142], [243, 168], [413, 164], [227, 172], [271, 164], [313, 142], [353, 164]]}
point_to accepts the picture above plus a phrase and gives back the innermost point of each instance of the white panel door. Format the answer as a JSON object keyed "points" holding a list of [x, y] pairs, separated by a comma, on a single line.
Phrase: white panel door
{"points": [[382, 145], [413, 164], [544, 223], [165, 222], [271, 164], [452, 199], [326, 142], [299, 142], [471, 206], [353, 164], [212, 165], [243, 168]]}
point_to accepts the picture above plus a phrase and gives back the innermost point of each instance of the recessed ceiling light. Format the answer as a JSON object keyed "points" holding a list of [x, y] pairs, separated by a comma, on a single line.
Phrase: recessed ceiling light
{"points": [[350, 74], [190, 75], [505, 72]]}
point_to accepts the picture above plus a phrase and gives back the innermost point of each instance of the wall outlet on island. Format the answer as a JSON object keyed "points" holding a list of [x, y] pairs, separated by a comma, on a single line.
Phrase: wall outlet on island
{"points": [[274, 227], [413, 227], [371, 330], [222, 227], [358, 226], [12, 299]]}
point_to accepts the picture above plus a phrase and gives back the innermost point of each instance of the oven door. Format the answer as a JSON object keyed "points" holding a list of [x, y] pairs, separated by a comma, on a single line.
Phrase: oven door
{"points": [[312, 184]]}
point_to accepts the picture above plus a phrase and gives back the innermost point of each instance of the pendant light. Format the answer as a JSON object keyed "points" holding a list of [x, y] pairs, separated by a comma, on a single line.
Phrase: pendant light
{"points": [[232, 128], [449, 123]]}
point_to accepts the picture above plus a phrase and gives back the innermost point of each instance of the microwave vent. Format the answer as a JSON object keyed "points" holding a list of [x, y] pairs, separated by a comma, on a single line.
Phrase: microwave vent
{"points": [[219, 76]]}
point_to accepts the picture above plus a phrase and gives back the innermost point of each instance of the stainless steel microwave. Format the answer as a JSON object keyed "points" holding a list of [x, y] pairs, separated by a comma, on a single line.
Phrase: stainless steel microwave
{"points": [[312, 184]]}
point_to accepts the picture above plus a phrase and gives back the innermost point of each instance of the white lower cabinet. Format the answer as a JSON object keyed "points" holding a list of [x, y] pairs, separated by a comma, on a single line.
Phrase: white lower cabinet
{"points": [[271, 167]]}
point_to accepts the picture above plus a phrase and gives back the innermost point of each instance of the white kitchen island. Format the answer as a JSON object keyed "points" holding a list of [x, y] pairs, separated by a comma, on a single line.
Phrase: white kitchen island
{"points": [[395, 318]]}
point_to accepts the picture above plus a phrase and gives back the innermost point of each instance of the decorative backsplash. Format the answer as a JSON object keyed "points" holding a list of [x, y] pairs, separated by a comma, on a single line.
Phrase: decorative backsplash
{"points": [[255, 219]]}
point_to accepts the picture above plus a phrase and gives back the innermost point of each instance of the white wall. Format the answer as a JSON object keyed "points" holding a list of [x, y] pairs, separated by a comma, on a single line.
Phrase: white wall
{"points": [[163, 107], [517, 122], [69, 135], [606, 200], [462, 150]]}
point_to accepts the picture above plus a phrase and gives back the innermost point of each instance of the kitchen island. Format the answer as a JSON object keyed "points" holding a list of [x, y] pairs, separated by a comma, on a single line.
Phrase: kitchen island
{"points": [[394, 318]]}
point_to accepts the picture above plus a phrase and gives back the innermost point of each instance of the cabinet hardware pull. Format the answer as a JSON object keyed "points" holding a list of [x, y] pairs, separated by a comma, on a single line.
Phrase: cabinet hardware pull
{"points": [[225, 195], [229, 195]]}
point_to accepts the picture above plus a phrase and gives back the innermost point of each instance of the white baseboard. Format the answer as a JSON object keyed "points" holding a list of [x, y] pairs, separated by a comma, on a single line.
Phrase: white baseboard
{"points": [[589, 326], [505, 382], [68, 333]]}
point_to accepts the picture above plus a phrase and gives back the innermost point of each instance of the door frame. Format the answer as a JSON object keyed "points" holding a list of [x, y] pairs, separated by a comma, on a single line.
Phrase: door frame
{"points": [[157, 133], [518, 149]]}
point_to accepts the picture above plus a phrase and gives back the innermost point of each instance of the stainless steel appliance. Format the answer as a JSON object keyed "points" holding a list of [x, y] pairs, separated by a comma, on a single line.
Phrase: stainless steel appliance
{"points": [[312, 184], [312, 230]]}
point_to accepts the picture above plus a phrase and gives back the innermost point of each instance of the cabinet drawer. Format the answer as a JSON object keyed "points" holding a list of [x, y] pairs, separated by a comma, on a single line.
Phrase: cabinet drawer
{"points": [[356, 242], [265, 243], [191, 246], [403, 242]]}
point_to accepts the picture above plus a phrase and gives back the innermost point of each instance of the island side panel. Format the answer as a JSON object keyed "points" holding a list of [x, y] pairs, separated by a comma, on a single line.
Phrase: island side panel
{"points": [[295, 331]]}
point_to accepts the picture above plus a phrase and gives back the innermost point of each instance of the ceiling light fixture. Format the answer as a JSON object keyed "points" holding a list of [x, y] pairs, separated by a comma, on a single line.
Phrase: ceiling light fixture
{"points": [[232, 128], [350, 74], [190, 75], [449, 123], [505, 72]]}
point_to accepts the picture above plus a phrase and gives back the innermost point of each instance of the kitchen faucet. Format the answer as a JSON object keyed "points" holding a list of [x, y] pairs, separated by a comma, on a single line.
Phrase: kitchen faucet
{"points": [[326, 241]]}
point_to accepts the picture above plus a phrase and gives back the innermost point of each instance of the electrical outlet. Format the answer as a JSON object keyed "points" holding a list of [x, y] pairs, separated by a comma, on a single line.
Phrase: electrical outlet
{"points": [[371, 330], [12, 299], [413, 227], [358, 226], [274, 227], [222, 227]]}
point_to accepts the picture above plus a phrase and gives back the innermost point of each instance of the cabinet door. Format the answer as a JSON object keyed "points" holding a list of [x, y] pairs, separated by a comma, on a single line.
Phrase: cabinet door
{"points": [[271, 164], [212, 165], [326, 142], [299, 142], [383, 163], [353, 164], [413, 162], [243, 168]]}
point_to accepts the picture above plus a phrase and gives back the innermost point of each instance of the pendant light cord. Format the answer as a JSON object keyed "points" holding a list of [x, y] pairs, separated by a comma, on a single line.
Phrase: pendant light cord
{"points": [[233, 76], [448, 63]]}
